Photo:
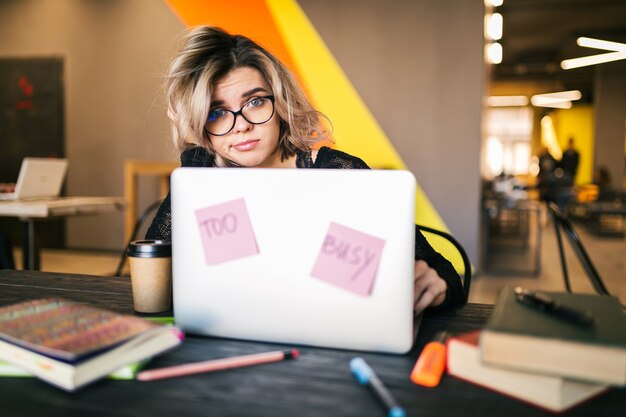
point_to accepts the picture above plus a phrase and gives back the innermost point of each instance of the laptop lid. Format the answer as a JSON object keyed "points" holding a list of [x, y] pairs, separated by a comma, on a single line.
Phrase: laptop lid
{"points": [[40, 177], [313, 257]]}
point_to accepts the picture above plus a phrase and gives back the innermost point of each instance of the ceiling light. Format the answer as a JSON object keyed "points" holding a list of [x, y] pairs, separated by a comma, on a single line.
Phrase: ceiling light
{"points": [[592, 60], [561, 95], [507, 101], [494, 3], [555, 104], [601, 44], [557, 100], [493, 53], [618, 51], [493, 26]]}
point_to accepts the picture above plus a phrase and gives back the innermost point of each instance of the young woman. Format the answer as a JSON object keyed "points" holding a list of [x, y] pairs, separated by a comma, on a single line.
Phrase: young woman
{"points": [[233, 104]]}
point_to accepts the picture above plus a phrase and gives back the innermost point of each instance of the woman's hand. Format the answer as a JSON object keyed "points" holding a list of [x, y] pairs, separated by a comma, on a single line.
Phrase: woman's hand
{"points": [[429, 289]]}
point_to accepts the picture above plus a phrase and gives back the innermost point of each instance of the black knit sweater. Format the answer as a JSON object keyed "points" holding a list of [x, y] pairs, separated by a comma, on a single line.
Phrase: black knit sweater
{"points": [[161, 227]]}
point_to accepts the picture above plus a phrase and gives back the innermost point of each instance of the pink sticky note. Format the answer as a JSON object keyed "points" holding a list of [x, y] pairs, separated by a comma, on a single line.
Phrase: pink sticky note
{"points": [[226, 232], [348, 259]]}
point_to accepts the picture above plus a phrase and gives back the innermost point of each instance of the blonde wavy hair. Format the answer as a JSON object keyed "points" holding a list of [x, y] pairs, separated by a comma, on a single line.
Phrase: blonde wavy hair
{"points": [[208, 54]]}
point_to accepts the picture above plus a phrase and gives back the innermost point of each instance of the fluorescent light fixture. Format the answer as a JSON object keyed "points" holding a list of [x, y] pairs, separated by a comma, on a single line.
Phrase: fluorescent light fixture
{"points": [[507, 101], [557, 100], [493, 26], [493, 53], [601, 44], [592, 60], [553, 105], [570, 95], [618, 51]]}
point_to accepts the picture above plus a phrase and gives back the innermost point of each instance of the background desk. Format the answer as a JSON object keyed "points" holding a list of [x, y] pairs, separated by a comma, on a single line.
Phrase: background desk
{"points": [[318, 383], [603, 218], [511, 234], [30, 210]]}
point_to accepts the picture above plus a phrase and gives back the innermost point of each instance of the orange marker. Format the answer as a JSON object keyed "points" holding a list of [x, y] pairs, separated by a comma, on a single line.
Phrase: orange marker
{"points": [[431, 362]]}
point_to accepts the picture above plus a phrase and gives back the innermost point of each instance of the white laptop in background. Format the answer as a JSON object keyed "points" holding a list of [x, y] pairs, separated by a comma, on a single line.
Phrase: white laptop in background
{"points": [[299, 256], [38, 178]]}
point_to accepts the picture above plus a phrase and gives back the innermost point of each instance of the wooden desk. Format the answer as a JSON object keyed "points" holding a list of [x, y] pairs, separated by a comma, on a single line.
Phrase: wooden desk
{"points": [[28, 211], [318, 383]]}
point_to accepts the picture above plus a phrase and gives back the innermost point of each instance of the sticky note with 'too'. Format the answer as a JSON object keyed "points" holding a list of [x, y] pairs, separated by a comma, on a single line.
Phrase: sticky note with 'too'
{"points": [[226, 232]]}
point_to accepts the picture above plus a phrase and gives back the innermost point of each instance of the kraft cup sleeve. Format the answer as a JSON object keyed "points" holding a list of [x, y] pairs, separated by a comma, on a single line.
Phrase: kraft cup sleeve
{"points": [[151, 280]]}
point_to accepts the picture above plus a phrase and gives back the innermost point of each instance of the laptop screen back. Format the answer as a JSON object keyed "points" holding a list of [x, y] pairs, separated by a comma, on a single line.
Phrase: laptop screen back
{"points": [[40, 177], [314, 257]]}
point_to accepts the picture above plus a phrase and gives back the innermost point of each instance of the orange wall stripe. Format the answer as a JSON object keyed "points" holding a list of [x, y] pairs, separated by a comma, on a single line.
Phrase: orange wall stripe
{"points": [[250, 18]]}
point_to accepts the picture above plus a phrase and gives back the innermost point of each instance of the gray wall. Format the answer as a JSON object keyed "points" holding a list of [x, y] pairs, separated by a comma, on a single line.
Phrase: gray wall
{"points": [[115, 54], [416, 63], [610, 119]]}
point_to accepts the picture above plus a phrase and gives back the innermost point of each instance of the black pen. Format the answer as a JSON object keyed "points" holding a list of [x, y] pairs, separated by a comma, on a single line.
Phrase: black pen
{"points": [[548, 304]]}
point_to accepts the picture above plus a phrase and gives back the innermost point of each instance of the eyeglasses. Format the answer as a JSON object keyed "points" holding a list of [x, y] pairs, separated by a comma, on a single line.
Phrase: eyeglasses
{"points": [[257, 111]]}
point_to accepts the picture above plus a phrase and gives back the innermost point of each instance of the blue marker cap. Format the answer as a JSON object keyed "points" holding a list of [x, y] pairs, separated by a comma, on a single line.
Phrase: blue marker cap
{"points": [[361, 371], [366, 376], [397, 412]]}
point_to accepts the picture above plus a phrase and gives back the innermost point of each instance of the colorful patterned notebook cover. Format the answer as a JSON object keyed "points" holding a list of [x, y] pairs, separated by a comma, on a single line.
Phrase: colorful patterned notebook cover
{"points": [[66, 329]]}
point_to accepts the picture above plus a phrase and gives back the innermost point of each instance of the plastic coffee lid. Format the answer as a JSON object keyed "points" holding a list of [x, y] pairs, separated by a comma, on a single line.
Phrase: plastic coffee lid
{"points": [[149, 249]]}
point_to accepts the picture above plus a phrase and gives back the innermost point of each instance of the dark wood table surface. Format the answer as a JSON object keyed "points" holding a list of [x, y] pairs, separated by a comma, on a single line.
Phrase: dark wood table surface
{"points": [[319, 383]]}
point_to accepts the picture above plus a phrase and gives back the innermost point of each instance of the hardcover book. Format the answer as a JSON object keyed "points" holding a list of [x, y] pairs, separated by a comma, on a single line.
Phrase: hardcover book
{"points": [[524, 337], [550, 392], [70, 344]]}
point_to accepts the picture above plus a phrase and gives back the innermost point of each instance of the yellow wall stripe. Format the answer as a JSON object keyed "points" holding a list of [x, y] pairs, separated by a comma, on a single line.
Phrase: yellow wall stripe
{"points": [[355, 128]]}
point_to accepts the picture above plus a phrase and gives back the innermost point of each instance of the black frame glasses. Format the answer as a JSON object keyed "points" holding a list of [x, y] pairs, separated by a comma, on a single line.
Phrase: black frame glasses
{"points": [[240, 113]]}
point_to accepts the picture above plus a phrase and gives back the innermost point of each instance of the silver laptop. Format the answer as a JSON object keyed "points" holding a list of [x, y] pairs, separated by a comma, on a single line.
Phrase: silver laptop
{"points": [[38, 178], [313, 257]]}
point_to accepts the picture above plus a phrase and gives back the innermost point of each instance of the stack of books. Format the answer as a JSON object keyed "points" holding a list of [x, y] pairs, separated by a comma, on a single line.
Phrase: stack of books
{"points": [[552, 350], [70, 344]]}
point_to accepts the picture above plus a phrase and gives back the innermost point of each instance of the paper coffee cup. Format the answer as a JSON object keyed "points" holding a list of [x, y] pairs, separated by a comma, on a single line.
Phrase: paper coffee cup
{"points": [[151, 275]]}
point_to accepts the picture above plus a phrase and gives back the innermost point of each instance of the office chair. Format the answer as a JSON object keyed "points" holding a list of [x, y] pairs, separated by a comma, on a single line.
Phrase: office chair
{"points": [[467, 266], [563, 223], [133, 236]]}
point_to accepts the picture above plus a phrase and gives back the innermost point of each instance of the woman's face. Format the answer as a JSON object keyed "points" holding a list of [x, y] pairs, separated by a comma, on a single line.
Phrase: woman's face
{"points": [[247, 144]]}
